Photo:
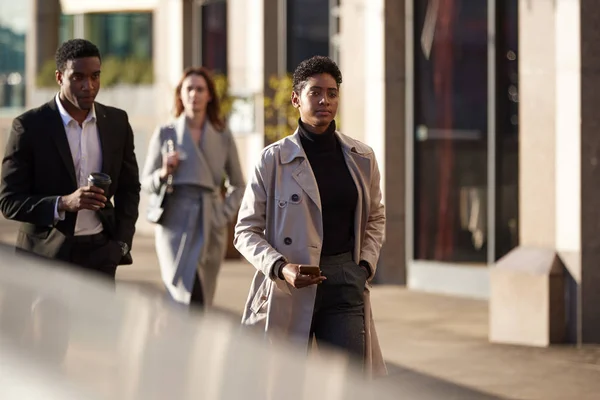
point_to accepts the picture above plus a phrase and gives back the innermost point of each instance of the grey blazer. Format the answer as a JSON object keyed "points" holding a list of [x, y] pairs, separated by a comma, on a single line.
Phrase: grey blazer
{"points": [[217, 159]]}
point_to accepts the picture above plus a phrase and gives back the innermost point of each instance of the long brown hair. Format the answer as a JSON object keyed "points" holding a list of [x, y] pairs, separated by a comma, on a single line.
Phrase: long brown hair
{"points": [[213, 108]]}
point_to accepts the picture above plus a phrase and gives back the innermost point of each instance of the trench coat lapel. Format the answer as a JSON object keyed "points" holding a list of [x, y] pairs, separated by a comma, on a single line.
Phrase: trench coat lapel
{"points": [[210, 139], [291, 149], [359, 165], [305, 177], [358, 162]]}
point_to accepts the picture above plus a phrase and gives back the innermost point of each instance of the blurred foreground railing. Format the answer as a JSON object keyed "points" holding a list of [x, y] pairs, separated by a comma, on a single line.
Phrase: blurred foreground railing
{"points": [[67, 335]]}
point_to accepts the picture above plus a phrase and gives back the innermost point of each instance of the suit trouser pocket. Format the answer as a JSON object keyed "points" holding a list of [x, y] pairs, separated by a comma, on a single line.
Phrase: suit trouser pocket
{"points": [[338, 319], [101, 257], [343, 288]]}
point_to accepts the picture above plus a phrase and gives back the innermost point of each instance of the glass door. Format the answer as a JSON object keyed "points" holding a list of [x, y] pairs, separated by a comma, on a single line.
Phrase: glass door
{"points": [[451, 131], [465, 136]]}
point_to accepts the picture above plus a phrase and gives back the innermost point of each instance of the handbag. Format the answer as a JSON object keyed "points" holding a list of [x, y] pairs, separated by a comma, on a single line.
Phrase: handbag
{"points": [[156, 202], [156, 205]]}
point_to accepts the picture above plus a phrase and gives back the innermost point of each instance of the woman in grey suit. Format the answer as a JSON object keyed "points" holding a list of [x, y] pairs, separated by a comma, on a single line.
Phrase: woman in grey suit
{"points": [[190, 158]]}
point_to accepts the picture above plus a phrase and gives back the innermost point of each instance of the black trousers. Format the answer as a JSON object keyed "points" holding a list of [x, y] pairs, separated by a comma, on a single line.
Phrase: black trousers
{"points": [[197, 298], [95, 253], [339, 313]]}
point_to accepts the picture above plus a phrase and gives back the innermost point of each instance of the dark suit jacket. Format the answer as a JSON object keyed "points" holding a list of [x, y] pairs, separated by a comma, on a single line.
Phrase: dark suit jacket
{"points": [[38, 168]]}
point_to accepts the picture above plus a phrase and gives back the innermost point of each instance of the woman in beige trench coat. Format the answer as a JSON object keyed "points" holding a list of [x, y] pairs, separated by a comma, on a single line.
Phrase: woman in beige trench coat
{"points": [[314, 198]]}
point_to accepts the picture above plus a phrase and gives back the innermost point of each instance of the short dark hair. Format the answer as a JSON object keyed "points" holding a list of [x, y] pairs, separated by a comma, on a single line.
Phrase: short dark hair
{"points": [[74, 49], [314, 66]]}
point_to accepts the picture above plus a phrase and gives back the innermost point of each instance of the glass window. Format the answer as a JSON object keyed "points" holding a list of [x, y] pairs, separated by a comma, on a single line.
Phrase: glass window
{"points": [[450, 103], [66, 29], [307, 30], [334, 30], [13, 28], [125, 42], [121, 35], [214, 36]]}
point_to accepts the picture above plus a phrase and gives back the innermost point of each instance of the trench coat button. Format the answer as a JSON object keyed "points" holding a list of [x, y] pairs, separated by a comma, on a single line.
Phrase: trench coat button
{"points": [[287, 241], [263, 298], [295, 197]]}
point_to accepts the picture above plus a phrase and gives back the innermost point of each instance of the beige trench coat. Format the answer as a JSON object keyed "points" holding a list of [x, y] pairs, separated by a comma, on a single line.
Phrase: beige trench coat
{"points": [[269, 220]]}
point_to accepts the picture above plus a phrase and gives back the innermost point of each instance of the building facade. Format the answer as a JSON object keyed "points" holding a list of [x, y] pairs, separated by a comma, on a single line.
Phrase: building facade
{"points": [[481, 114]]}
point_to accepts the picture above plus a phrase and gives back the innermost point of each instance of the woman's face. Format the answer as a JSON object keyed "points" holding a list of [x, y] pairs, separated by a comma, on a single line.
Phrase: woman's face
{"points": [[318, 101], [194, 94]]}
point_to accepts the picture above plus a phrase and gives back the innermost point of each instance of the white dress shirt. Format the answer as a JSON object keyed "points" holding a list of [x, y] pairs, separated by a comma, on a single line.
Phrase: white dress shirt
{"points": [[84, 143]]}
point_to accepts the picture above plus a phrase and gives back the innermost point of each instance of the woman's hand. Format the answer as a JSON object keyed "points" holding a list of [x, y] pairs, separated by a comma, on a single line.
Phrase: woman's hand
{"points": [[170, 164], [292, 275]]}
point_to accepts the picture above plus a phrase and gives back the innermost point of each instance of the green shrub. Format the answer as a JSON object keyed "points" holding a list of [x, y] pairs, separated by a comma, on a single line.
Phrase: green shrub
{"points": [[281, 117], [115, 71], [137, 72], [112, 72], [222, 89], [46, 77]]}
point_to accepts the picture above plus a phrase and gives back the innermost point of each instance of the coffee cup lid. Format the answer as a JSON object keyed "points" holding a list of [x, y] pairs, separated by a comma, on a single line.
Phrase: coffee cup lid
{"points": [[99, 176]]}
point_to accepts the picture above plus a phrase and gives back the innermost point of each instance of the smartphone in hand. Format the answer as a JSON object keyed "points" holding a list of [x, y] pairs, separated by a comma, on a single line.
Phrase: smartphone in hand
{"points": [[312, 270]]}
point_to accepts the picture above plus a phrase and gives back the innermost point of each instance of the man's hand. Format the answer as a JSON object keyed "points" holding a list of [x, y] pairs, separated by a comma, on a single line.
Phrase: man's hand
{"points": [[84, 198], [292, 275]]}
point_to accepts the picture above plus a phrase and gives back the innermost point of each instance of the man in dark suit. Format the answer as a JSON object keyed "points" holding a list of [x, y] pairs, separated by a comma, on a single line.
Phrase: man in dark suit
{"points": [[50, 153]]}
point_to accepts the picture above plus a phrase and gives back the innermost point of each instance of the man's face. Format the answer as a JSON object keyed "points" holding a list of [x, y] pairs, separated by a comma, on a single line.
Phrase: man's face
{"points": [[318, 101], [80, 81]]}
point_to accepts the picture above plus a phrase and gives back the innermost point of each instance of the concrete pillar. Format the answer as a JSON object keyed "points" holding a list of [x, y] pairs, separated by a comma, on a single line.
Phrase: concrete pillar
{"points": [[537, 124], [274, 54], [188, 22], [351, 113], [523, 292], [41, 41], [392, 268], [569, 197], [245, 71], [559, 92], [372, 60], [589, 295], [172, 49], [245, 45]]}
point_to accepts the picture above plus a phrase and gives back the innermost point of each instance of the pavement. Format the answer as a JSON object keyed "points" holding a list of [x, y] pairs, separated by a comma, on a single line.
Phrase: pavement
{"points": [[436, 346]]}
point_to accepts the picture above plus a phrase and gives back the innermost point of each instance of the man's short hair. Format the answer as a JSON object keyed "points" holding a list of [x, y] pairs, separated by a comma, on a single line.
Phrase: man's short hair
{"points": [[75, 49], [314, 66]]}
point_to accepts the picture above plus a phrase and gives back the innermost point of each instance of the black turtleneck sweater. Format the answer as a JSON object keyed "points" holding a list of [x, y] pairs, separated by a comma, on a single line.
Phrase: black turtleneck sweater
{"points": [[336, 187]]}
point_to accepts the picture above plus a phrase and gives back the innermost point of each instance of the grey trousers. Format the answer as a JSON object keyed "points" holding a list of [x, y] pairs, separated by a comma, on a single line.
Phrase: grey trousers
{"points": [[339, 313]]}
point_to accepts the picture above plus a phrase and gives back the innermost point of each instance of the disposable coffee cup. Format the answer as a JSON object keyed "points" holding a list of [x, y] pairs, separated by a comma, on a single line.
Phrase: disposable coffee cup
{"points": [[100, 180]]}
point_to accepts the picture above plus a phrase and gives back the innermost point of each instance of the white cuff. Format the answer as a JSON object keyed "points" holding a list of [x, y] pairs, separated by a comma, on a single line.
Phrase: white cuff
{"points": [[156, 182], [58, 215]]}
